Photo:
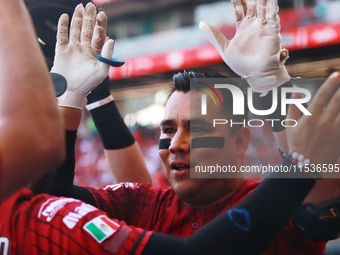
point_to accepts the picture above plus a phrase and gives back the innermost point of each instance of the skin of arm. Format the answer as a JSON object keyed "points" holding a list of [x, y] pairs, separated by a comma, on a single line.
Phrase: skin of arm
{"points": [[128, 165], [72, 118], [325, 190], [31, 137]]}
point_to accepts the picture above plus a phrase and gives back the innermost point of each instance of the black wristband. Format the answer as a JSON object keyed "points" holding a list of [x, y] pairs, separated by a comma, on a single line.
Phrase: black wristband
{"points": [[111, 127]]}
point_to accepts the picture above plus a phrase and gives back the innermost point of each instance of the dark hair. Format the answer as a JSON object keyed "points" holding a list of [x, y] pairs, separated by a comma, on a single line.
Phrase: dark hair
{"points": [[181, 82]]}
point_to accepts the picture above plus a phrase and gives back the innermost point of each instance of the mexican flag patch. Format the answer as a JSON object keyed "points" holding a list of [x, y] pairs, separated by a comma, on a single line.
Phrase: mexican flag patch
{"points": [[101, 228]]}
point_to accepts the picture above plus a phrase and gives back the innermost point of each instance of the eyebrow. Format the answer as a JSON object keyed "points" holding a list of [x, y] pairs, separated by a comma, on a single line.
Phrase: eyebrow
{"points": [[197, 121], [168, 123]]}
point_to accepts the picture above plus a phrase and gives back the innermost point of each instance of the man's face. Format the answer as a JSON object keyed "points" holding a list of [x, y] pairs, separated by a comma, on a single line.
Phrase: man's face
{"points": [[177, 125]]}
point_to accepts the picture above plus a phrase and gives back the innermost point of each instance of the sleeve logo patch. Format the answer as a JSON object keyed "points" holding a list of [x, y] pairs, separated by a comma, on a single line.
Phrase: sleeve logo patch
{"points": [[101, 227], [121, 185], [72, 218], [52, 206]]}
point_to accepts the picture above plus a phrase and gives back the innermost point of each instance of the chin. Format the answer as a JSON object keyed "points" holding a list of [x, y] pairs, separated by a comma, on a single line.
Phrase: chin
{"points": [[186, 192]]}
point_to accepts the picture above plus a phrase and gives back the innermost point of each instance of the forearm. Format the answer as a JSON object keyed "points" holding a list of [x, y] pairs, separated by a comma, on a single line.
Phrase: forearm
{"points": [[60, 181], [30, 127], [128, 165], [281, 140], [71, 117], [264, 213], [24, 72], [326, 190], [123, 154]]}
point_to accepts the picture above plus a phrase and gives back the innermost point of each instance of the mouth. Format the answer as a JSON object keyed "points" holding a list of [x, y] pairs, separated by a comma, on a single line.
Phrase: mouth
{"points": [[179, 166]]}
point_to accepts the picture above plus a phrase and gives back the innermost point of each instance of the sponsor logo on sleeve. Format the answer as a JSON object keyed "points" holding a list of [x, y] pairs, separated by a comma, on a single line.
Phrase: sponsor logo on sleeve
{"points": [[121, 185], [101, 227], [52, 206], [72, 218]]}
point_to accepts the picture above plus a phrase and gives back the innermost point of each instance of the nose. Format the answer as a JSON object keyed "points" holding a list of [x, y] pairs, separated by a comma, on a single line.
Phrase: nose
{"points": [[180, 142]]}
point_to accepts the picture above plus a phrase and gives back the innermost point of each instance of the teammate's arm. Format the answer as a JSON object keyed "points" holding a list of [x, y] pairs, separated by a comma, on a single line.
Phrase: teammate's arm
{"points": [[255, 54], [75, 59], [122, 152], [269, 62], [258, 29], [31, 137], [256, 221]]}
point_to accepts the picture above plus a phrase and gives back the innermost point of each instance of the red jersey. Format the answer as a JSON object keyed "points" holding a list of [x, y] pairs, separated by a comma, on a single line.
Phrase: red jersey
{"points": [[45, 224], [152, 208]]}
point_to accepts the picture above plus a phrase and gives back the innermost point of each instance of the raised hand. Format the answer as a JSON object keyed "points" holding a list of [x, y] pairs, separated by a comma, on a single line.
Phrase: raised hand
{"points": [[255, 52], [317, 136], [76, 53]]}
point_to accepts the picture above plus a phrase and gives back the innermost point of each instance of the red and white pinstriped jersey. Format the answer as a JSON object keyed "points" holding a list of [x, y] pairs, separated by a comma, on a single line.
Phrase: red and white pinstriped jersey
{"points": [[45, 224], [152, 208]]}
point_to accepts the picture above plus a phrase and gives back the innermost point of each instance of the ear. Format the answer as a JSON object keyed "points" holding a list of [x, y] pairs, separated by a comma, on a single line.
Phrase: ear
{"points": [[242, 139]]}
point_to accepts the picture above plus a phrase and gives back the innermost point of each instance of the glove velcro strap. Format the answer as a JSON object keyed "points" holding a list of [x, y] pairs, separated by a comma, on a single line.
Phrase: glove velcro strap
{"points": [[267, 82], [72, 99]]}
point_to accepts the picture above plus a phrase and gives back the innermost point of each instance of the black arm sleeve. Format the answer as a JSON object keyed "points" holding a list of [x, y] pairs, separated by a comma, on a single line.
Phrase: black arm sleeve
{"points": [[110, 125], [247, 228], [84, 195], [62, 179]]}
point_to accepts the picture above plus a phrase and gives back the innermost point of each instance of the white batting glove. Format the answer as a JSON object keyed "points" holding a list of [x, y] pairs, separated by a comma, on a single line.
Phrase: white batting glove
{"points": [[75, 56], [255, 52]]}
